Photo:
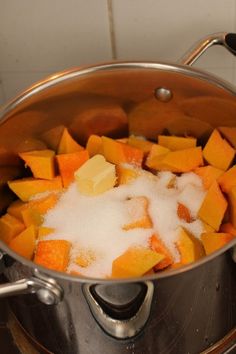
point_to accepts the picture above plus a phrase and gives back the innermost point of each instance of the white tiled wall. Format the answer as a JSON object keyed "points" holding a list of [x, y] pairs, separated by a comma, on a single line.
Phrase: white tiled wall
{"points": [[41, 37]]}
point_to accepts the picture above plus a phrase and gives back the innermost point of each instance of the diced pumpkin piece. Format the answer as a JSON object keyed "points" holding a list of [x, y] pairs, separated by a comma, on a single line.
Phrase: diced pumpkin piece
{"points": [[218, 152], [228, 180], [26, 188], [135, 262], [96, 176], [42, 205], [85, 258], [41, 163], [229, 133], [213, 207], [175, 143], [189, 247], [10, 227], [208, 174], [53, 136], [137, 213], [184, 213], [155, 156], [228, 228], [69, 163], [94, 145], [232, 206], [116, 152], [207, 228], [44, 231], [126, 173], [53, 254], [158, 246], [15, 209], [31, 217], [182, 160], [68, 144], [140, 143], [212, 241], [24, 243]]}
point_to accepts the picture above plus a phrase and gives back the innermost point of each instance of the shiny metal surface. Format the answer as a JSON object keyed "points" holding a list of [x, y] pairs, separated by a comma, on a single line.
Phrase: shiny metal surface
{"points": [[192, 307]]}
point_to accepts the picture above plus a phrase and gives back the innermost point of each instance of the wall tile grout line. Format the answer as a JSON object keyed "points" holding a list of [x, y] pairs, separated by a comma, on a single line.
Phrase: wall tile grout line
{"points": [[112, 29]]}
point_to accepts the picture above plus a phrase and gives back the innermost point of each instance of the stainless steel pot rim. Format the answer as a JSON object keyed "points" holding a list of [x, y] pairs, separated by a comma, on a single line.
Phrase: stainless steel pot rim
{"points": [[73, 73], [77, 278]]}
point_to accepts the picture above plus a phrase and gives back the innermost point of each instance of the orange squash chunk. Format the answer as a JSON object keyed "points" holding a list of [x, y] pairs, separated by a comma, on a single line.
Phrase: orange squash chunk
{"points": [[137, 211], [24, 243], [228, 228], [209, 174], [26, 188], [232, 206], [213, 207], [10, 227], [117, 153], [189, 247], [228, 180], [135, 262], [184, 213], [41, 163], [15, 209], [53, 136], [218, 152], [229, 133], [31, 217], [44, 231], [67, 144], [53, 254], [212, 241], [155, 156], [126, 174], [182, 160], [140, 143], [69, 163], [94, 145], [175, 143], [158, 246]]}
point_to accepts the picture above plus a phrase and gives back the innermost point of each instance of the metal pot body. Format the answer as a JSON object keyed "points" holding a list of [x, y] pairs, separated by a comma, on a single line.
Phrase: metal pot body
{"points": [[181, 311]]}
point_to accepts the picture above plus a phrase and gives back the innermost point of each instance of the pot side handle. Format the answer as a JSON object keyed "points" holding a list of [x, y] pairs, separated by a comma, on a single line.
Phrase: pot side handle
{"points": [[228, 40]]}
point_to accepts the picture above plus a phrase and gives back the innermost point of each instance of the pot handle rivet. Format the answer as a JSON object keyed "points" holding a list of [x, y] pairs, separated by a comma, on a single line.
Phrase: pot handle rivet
{"points": [[163, 94]]}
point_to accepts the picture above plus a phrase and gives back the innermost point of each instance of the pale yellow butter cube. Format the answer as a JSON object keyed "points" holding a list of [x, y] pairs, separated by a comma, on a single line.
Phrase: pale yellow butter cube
{"points": [[95, 176]]}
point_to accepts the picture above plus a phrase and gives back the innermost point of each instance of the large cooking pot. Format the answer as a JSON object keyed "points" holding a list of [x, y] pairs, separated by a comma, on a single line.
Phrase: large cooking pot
{"points": [[179, 311]]}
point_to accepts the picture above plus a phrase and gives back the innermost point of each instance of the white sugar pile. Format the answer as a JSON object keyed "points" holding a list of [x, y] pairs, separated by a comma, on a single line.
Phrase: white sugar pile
{"points": [[95, 223]]}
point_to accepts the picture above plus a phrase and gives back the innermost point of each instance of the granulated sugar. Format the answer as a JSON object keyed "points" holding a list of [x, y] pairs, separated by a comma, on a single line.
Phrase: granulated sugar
{"points": [[95, 223]]}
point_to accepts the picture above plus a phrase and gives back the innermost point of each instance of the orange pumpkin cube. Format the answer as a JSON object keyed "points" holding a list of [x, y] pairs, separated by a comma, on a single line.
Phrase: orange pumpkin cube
{"points": [[94, 145], [117, 153], [53, 136], [24, 243], [218, 151], [137, 212], [155, 156], [228, 180], [67, 144], [126, 173], [26, 188], [41, 163], [69, 163], [213, 207], [31, 217], [158, 246], [212, 241], [10, 227], [209, 174], [189, 247], [232, 206], [182, 160], [15, 209], [175, 143], [53, 254], [229, 133], [184, 213], [135, 262], [140, 143]]}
